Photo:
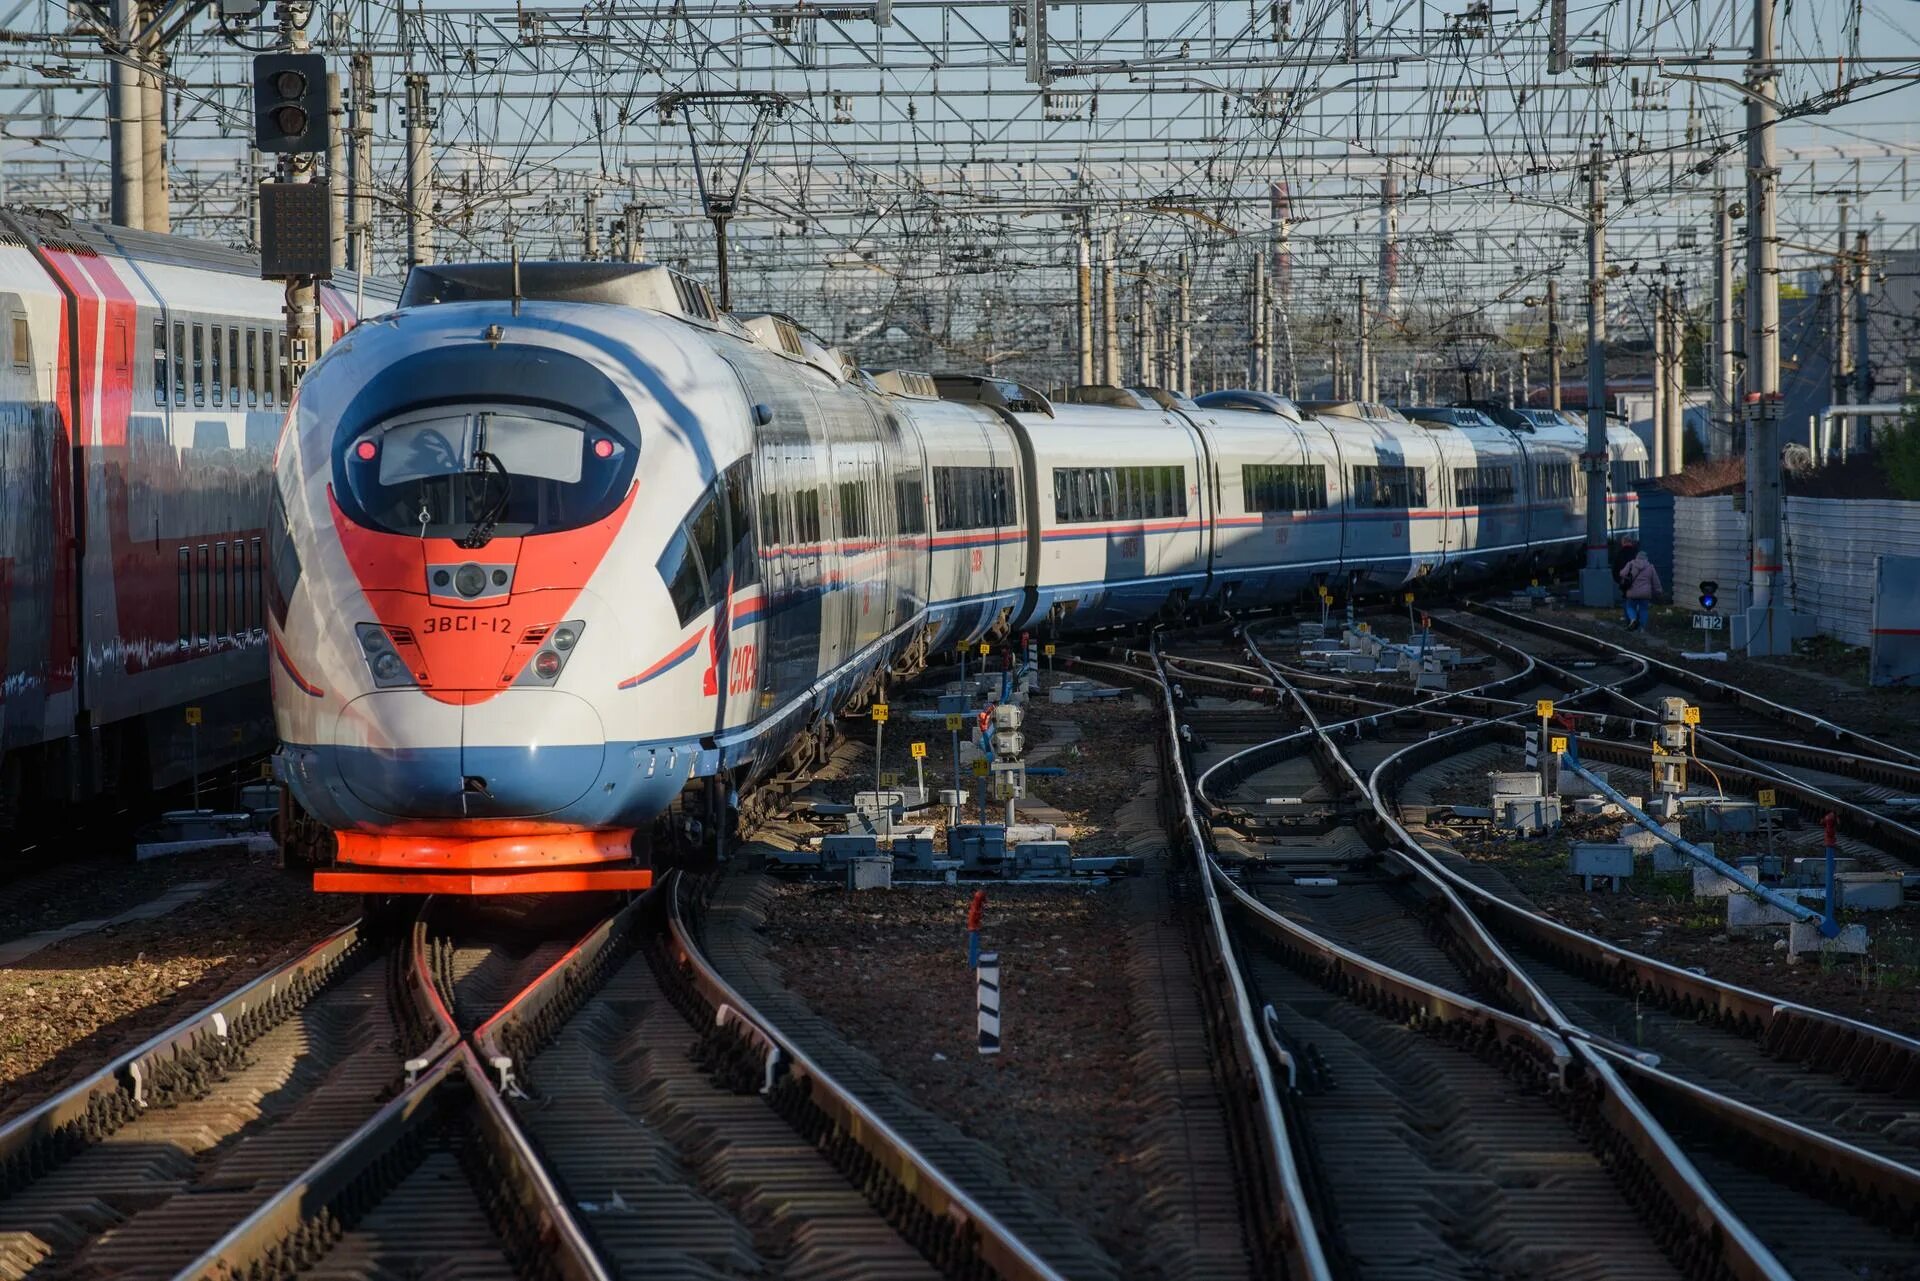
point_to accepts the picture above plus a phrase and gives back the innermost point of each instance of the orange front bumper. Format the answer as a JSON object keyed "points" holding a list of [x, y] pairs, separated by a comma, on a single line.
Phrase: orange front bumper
{"points": [[545, 863]]}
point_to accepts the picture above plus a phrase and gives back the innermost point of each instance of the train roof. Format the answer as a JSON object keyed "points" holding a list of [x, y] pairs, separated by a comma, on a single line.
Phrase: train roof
{"points": [[1248, 401]]}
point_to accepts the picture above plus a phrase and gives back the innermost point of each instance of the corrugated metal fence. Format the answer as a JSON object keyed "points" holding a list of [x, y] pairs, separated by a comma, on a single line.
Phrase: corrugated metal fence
{"points": [[1831, 543]]}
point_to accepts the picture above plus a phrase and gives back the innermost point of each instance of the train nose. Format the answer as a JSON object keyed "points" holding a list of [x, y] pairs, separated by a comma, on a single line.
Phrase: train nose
{"points": [[520, 754]]}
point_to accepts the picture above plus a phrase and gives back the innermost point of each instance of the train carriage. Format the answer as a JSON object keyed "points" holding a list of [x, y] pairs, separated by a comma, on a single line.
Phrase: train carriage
{"points": [[145, 386], [1121, 510]]}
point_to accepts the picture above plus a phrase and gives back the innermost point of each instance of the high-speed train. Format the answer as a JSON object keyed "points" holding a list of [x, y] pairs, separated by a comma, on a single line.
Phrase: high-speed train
{"points": [[549, 542], [143, 381]]}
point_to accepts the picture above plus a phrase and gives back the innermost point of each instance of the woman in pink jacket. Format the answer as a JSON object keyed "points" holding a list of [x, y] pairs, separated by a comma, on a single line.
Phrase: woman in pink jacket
{"points": [[1642, 583]]}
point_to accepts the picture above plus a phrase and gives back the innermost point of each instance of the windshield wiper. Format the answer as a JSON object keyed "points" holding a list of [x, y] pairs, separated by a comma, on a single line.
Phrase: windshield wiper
{"points": [[480, 533]]}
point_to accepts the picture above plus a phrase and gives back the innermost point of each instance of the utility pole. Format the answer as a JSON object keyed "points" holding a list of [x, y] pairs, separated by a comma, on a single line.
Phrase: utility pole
{"points": [[1768, 627], [1084, 282], [636, 224], [1266, 331], [1596, 577], [1722, 367], [1186, 326], [1109, 313], [1862, 296], [1147, 340], [1256, 290], [1676, 382], [360, 163], [1662, 300], [419, 172], [336, 173], [129, 207], [590, 225], [1553, 340], [1842, 318], [1363, 347]]}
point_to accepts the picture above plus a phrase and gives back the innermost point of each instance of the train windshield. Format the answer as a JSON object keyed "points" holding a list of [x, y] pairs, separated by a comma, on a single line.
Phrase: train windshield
{"points": [[477, 472]]}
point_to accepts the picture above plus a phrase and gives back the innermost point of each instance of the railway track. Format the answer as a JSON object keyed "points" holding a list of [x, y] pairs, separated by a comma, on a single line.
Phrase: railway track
{"points": [[459, 1095], [1742, 1108]]}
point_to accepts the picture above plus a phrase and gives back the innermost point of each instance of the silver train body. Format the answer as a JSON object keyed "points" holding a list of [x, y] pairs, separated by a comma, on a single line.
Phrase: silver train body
{"points": [[538, 562]]}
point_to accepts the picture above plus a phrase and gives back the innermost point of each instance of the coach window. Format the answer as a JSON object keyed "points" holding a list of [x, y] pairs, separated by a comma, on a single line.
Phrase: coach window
{"points": [[216, 374], [253, 369], [806, 516], [286, 383], [22, 344], [159, 362], [745, 558], [179, 362], [206, 596], [910, 503], [219, 589], [233, 367], [199, 364], [185, 570]]}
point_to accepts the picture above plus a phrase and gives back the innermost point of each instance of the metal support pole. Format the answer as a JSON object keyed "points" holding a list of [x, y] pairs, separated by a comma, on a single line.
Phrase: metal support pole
{"points": [[636, 234], [1141, 302], [1109, 312], [124, 104], [1553, 341], [360, 145], [1769, 628], [1149, 340], [590, 225], [153, 132], [1721, 433], [336, 173], [419, 172], [1596, 577], [1186, 326], [1266, 332]]}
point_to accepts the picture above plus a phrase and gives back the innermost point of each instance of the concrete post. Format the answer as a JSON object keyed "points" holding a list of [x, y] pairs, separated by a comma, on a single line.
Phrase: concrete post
{"points": [[1839, 364], [153, 133], [336, 173], [124, 104], [360, 163], [1596, 576], [419, 172], [1256, 290], [1862, 352], [1553, 341], [1659, 452], [1724, 415], [1363, 353], [1083, 281], [1676, 383], [1109, 312], [590, 225], [1768, 627], [1186, 326]]}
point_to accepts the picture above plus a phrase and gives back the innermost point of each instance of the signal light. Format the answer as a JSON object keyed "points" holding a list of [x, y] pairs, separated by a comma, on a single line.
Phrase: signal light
{"points": [[290, 102], [1709, 593], [365, 451], [603, 448]]}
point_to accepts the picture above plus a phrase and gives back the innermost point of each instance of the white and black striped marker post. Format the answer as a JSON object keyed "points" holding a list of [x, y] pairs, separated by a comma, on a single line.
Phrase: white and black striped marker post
{"points": [[1533, 749], [987, 983]]}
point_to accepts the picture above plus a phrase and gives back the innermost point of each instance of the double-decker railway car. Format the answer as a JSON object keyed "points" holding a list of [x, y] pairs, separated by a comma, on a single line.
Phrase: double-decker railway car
{"points": [[550, 543], [144, 384]]}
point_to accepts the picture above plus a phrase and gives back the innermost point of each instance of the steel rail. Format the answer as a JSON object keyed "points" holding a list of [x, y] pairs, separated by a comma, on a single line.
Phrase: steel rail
{"points": [[973, 1235], [1841, 736], [1717, 1230], [1288, 1218], [300, 1222], [176, 1060], [1832, 1043]]}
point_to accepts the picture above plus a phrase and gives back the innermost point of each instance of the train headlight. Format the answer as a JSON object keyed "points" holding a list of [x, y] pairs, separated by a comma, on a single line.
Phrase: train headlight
{"points": [[388, 669], [563, 637], [546, 664], [470, 580]]}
